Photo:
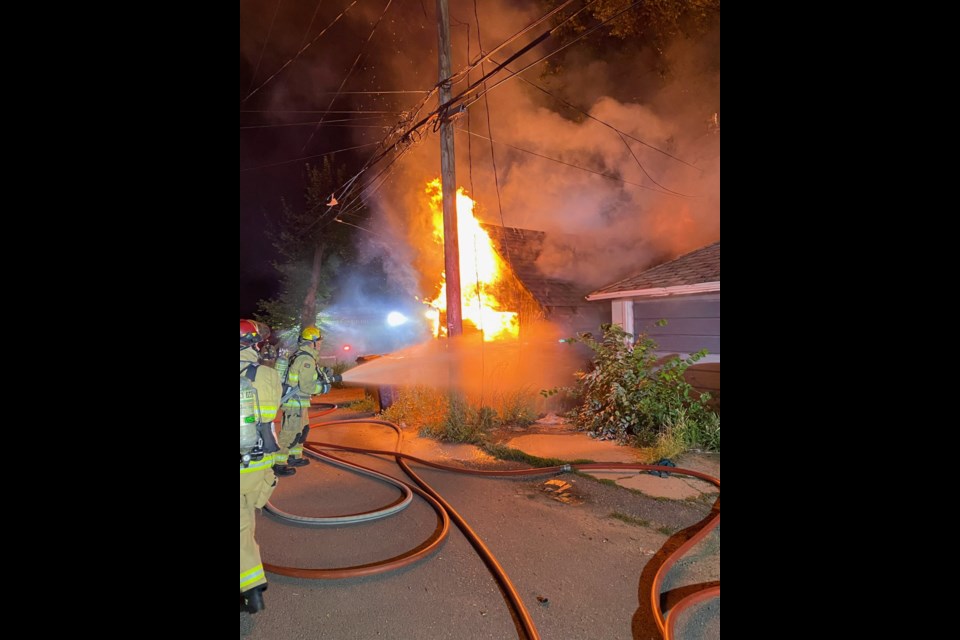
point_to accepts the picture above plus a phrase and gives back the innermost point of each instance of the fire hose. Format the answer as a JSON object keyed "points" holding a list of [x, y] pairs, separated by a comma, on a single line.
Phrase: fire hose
{"points": [[365, 516], [521, 617]]}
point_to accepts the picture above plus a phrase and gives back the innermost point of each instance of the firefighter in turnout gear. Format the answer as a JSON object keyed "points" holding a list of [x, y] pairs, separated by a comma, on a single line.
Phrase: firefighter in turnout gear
{"points": [[260, 392], [306, 379]]}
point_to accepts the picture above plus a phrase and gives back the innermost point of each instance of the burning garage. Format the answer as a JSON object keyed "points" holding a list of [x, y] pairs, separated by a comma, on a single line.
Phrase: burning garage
{"points": [[504, 293]]}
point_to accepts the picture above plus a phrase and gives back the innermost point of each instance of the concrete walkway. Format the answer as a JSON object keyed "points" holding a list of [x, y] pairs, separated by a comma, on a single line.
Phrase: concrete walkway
{"points": [[552, 439], [579, 446]]}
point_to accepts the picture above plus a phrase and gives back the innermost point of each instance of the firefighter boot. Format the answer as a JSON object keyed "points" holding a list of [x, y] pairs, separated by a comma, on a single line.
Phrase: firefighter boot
{"points": [[281, 470], [254, 598], [298, 462]]}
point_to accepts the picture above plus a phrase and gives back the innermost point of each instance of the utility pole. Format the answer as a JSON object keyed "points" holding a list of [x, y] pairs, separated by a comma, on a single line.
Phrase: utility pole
{"points": [[448, 181]]}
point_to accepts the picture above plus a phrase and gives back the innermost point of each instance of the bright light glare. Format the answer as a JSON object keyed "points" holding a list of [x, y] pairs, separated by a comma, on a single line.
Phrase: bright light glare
{"points": [[395, 318]]}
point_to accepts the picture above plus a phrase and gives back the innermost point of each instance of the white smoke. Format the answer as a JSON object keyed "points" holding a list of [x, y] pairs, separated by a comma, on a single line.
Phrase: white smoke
{"points": [[599, 228]]}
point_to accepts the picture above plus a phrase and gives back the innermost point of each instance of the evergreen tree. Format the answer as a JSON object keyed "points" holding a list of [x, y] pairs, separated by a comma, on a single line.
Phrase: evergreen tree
{"points": [[312, 247]]}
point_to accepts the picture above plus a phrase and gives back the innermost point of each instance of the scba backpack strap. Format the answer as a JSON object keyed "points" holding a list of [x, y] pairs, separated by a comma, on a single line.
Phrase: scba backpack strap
{"points": [[323, 373], [293, 359]]}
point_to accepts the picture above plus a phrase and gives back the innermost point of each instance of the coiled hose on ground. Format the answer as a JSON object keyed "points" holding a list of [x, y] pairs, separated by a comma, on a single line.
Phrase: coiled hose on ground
{"points": [[445, 512]]}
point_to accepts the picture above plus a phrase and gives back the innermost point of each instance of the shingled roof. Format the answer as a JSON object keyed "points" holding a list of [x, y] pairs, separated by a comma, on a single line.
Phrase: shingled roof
{"points": [[694, 272], [520, 249]]}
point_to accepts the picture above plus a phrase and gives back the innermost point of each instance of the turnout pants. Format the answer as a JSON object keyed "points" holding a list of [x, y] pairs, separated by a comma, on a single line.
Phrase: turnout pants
{"points": [[293, 431], [256, 484]]}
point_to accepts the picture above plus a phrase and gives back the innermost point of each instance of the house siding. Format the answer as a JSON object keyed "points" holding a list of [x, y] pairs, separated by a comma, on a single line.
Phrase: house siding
{"points": [[585, 319], [693, 323]]}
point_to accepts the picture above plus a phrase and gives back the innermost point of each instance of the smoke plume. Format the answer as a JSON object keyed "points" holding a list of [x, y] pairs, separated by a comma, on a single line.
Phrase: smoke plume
{"points": [[611, 203]]}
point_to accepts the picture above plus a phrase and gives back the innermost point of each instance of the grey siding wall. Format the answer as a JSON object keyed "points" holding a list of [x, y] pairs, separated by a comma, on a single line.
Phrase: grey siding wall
{"points": [[586, 318], [706, 378], [693, 322]]}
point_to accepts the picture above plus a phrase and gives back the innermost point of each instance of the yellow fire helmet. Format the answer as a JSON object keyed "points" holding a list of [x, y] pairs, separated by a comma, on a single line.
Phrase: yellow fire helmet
{"points": [[310, 333]]}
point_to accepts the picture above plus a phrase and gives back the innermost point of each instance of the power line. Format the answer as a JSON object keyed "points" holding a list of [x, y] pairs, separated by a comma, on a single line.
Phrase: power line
{"points": [[354, 204], [391, 113], [374, 185], [552, 53], [470, 140], [442, 109], [319, 155], [331, 123], [524, 31], [316, 8], [336, 219], [483, 350], [357, 201], [297, 54], [338, 123], [358, 93], [642, 168], [404, 138], [445, 107], [363, 48], [356, 214], [599, 173], [493, 157], [266, 41], [606, 124], [527, 47]]}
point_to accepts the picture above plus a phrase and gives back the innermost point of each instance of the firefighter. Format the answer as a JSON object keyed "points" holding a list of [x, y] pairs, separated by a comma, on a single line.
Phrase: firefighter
{"points": [[257, 449], [306, 379]]}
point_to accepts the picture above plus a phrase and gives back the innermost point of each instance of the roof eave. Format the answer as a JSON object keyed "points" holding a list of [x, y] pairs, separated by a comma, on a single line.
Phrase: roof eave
{"points": [[659, 292]]}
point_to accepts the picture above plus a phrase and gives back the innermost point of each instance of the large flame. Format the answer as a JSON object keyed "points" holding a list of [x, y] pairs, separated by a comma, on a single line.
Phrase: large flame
{"points": [[480, 270]]}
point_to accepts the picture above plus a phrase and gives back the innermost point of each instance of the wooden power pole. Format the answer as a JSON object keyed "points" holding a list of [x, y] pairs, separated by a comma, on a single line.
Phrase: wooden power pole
{"points": [[448, 181]]}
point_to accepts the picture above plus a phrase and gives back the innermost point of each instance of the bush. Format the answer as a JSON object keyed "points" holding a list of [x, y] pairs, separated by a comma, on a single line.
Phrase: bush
{"points": [[445, 416], [517, 407], [462, 422], [706, 434], [418, 405], [680, 433], [367, 405], [632, 396]]}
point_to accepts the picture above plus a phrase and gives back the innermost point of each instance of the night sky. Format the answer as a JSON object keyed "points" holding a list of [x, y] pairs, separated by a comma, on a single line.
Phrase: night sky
{"points": [[619, 221], [272, 157]]}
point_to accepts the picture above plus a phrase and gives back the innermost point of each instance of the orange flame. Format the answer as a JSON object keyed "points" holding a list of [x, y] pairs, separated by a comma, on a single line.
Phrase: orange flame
{"points": [[480, 269]]}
